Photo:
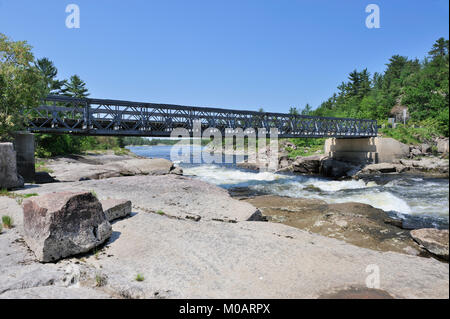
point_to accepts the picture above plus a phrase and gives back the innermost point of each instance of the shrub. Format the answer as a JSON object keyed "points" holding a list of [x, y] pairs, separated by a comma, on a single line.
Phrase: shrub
{"points": [[100, 280], [139, 277], [7, 221]]}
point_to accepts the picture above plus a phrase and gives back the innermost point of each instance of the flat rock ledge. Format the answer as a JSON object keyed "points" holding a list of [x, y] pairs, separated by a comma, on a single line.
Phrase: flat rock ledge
{"points": [[63, 224], [434, 240], [430, 166], [355, 223], [88, 167], [171, 195], [206, 258]]}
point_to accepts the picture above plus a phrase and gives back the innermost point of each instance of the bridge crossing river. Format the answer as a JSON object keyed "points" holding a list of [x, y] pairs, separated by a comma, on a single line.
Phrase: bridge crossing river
{"points": [[88, 116]]}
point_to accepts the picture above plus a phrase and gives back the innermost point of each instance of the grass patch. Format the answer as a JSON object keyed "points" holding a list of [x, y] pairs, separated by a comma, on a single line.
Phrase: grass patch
{"points": [[120, 151], [411, 134], [100, 280], [30, 195], [304, 147], [40, 167], [18, 197], [139, 277], [160, 212], [7, 221]]}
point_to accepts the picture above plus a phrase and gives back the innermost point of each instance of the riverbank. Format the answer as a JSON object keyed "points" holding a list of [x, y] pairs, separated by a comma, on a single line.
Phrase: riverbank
{"points": [[188, 238]]}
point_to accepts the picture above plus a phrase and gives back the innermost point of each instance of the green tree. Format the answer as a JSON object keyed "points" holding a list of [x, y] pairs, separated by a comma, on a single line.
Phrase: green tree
{"points": [[121, 142], [307, 110], [21, 85], [440, 48], [75, 87], [49, 72], [293, 111]]}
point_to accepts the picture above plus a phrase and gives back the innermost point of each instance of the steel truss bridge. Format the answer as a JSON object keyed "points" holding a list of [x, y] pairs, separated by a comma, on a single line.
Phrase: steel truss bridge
{"points": [[67, 115]]}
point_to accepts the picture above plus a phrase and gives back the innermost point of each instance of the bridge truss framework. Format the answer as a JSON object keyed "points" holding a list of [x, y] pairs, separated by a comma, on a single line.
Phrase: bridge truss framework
{"points": [[61, 114]]}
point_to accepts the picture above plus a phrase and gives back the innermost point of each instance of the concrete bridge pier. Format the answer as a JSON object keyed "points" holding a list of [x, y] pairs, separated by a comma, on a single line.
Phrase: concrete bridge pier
{"points": [[24, 146], [369, 150]]}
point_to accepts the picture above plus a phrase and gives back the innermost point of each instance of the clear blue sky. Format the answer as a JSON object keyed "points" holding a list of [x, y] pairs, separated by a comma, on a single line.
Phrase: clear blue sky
{"points": [[230, 53]]}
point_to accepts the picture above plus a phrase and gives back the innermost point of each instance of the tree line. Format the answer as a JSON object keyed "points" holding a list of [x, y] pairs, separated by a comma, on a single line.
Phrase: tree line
{"points": [[421, 86]]}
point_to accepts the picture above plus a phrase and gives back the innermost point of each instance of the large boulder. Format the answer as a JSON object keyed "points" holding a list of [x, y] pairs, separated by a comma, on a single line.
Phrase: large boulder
{"points": [[415, 152], [382, 168], [8, 167], [62, 224], [307, 164], [425, 148], [334, 168], [434, 240]]}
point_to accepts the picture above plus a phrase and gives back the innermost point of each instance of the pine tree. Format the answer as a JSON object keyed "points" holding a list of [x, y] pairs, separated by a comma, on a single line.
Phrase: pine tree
{"points": [[293, 111], [75, 87], [307, 110], [49, 72]]}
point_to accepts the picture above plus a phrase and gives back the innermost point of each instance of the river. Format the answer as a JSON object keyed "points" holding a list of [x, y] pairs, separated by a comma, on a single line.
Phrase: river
{"points": [[422, 202]]}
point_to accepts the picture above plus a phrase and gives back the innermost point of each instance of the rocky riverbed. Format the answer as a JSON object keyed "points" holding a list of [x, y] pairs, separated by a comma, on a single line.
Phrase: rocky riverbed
{"points": [[187, 238]]}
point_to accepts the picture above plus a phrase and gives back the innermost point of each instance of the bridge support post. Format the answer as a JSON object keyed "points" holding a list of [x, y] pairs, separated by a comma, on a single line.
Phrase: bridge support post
{"points": [[366, 150], [24, 147]]}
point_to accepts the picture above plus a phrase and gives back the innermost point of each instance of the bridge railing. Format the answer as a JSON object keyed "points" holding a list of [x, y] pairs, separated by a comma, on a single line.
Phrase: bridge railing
{"points": [[61, 114]]}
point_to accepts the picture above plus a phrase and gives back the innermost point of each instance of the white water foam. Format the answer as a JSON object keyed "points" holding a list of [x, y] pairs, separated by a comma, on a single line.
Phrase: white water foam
{"points": [[382, 200], [334, 186], [223, 176], [332, 193]]}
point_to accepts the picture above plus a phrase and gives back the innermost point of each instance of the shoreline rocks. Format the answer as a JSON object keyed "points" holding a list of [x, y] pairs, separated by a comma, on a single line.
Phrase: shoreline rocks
{"points": [[434, 240], [355, 223], [92, 167], [429, 166]]}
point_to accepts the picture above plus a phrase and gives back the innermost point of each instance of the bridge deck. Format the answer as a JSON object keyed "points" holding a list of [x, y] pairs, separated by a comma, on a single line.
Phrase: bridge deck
{"points": [[61, 114]]}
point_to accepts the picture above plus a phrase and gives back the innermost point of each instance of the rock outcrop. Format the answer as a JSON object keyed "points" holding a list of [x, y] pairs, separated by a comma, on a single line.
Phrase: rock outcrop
{"points": [[358, 224], [434, 240], [9, 177], [382, 168], [333, 168], [206, 258], [62, 224], [430, 166], [172, 195], [307, 164], [78, 168]]}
